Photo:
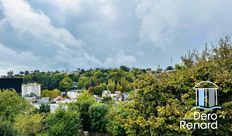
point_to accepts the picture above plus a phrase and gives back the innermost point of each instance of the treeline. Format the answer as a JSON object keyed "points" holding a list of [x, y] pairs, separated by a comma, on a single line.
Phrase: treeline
{"points": [[94, 80], [158, 102]]}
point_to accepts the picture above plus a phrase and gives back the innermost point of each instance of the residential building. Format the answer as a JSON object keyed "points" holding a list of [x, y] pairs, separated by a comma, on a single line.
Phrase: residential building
{"points": [[73, 94], [106, 93], [31, 89]]}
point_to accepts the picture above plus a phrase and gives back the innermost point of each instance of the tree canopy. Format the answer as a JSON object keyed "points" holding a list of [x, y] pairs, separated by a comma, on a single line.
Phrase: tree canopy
{"points": [[158, 100]]}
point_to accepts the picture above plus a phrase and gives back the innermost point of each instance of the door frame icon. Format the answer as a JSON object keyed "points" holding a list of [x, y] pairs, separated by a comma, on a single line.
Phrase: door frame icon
{"points": [[206, 97]]}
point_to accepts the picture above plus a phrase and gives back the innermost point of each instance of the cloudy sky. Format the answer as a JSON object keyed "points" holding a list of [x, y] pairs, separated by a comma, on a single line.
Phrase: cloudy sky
{"points": [[66, 34]]}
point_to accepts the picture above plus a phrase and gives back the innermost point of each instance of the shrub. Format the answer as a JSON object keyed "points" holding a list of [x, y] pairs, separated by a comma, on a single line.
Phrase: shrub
{"points": [[98, 112]]}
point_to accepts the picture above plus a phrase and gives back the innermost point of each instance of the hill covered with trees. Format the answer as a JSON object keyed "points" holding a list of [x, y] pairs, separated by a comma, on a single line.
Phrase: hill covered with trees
{"points": [[94, 80], [159, 99]]}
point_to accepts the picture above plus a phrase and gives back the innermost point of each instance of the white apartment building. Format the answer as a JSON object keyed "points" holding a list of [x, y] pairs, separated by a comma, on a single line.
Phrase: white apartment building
{"points": [[31, 89]]}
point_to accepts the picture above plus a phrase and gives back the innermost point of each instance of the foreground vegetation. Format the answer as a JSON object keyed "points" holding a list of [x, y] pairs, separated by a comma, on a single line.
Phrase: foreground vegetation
{"points": [[159, 99]]}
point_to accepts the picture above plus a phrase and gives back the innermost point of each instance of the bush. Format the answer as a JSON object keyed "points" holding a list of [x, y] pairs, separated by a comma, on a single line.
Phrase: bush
{"points": [[27, 125], [51, 93], [98, 112], [11, 104], [44, 108], [63, 123], [84, 101]]}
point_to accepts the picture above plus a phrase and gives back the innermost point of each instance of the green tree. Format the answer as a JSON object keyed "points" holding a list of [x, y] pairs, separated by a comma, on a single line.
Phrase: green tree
{"points": [[63, 123], [6, 128], [51, 93], [66, 84], [111, 86], [116, 117], [162, 99], [28, 124], [124, 68], [169, 68], [11, 104], [119, 87], [125, 85], [44, 108], [99, 89], [98, 112], [84, 101], [83, 82], [10, 74]]}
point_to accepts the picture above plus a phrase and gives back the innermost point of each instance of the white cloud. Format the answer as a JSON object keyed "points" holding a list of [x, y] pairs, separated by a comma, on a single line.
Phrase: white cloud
{"points": [[68, 50], [23, 18], [12, 60], [64, 34], [164, 23], [120, 59], [105, 8]]}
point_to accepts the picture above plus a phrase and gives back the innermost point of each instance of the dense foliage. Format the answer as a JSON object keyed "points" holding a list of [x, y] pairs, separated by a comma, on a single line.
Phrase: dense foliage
{"points": [[51, 93], [158, 99], [63, 123], [98, 112], [83, 104], [94, 80], [28, 124], [11, 104]]}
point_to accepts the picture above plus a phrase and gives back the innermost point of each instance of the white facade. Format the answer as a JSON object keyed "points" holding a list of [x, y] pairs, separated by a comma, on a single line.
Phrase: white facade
{"points": [[53, 107], [106, 93], [73, 94], [31, 89]]}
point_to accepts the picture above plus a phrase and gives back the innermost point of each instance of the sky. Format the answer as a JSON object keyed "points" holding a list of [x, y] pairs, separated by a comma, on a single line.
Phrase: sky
{"points": [[69, 34]]}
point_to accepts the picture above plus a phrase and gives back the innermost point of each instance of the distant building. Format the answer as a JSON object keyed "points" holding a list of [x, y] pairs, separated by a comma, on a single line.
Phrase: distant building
{"points": [[11, 83], [125, 96], [73, 94], [31, 89], [106, 93], [114, 96], [97, 98], [63, 94], [58, 98], [117, 96], [53, 106]]}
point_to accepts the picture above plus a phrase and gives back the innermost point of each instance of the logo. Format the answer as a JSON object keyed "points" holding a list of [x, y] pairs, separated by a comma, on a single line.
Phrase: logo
{"points": [[206, 96], [206, 99]]}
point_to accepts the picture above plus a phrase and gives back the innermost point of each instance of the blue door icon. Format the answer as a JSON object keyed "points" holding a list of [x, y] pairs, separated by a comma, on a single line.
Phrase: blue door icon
{"points": [[206, 97]]}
